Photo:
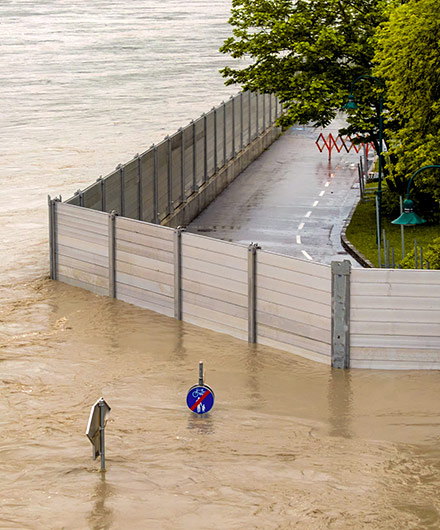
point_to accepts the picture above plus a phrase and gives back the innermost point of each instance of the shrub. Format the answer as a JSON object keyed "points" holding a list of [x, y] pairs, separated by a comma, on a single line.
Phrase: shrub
{"points": [[431, 254]]}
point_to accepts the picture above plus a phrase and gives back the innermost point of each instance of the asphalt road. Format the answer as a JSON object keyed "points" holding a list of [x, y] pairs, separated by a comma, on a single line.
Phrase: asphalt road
{"points": [[291, 200]]}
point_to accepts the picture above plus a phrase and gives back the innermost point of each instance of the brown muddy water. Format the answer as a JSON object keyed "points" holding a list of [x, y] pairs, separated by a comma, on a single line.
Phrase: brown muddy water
{"points": [[288, 444]]}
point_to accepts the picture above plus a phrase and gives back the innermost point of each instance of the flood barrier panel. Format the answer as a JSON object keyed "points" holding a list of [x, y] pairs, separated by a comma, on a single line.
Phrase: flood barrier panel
{"points": [[81, 248], [294, 305], [392, 317], [395, 318], [215, 284]]}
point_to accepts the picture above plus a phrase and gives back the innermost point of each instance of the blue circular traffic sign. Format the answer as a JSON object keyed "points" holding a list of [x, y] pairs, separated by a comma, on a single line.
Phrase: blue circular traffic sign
{"points": [[200, 399]]}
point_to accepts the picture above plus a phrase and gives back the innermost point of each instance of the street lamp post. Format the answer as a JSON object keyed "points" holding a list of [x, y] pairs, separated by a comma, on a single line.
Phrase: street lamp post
{"points": [[351, 105], [409, 217]]}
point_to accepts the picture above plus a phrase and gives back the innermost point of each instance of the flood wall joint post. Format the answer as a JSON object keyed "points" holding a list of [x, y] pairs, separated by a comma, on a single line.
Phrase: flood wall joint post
{"points": [[252, 292], [112, 253], [53, 236], [178, 272], [340, 311]]}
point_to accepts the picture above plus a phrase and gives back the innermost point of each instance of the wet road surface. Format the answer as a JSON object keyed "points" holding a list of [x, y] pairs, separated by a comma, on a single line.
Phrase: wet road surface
{"points": [[292, 200]]}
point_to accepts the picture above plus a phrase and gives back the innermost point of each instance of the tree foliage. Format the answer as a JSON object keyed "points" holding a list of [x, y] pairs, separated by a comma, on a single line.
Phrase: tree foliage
{"points": [[408, 60], [307, 52]]}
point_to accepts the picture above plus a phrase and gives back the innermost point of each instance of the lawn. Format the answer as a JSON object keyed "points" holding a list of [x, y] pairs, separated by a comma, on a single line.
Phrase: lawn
{"points": [[361, 233]]}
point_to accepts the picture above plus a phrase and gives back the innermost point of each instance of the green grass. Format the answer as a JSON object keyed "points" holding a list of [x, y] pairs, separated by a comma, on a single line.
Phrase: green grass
{"points": [[361, 232]]}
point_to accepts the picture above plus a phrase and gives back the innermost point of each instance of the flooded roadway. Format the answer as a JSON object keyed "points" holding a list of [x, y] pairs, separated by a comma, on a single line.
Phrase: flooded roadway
{"points": [[289, 443]]}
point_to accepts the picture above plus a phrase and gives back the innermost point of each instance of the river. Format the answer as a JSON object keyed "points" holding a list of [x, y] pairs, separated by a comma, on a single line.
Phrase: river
{"points": [[289, 443]]}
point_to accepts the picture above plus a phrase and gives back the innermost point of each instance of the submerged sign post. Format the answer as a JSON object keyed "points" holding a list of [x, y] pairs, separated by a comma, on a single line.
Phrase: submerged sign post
{"points": [[95, 429], [200, 398]]}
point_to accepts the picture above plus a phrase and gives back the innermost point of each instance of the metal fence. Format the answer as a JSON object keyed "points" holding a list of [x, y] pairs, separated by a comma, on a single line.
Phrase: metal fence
{"points": [[152, 185]]}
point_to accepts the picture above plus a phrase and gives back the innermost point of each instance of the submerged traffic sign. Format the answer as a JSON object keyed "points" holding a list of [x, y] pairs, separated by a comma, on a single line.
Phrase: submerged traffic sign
{"points": [[200, 399], [95, 428]]}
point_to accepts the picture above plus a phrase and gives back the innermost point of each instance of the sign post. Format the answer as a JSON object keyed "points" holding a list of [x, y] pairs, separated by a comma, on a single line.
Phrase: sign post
{"points": [[200, 397], [201, 373], [96, 429]]}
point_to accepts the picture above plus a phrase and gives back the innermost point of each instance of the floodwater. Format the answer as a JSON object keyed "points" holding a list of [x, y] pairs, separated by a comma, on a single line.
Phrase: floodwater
{"points": [[288, 444]]}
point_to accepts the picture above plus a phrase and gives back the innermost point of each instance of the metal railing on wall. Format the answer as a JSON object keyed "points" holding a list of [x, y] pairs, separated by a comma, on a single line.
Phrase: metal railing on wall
{"points": [[152, 185]]}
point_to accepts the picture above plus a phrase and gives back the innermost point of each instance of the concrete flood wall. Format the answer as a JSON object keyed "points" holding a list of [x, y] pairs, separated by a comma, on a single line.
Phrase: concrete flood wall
{"points": [[391, 317], [80, 247], [294, 305], [116, 238], [144, 265], [174, 180], [395, 318], [215, 285]]}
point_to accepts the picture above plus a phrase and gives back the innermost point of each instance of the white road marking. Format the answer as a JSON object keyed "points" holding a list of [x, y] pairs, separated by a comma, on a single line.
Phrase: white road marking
{"points": [[301, 226], [327, 184], [315, 204], [332, 175], [322, 193], [298, 239], [307, 255], [308, 214]]}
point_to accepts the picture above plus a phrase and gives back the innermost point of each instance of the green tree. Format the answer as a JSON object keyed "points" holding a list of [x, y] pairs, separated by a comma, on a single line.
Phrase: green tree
{"points": [[408, 60], [307, 52]]}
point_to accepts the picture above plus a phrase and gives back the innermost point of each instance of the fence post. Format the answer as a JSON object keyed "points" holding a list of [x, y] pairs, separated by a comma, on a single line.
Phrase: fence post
{"points": [[402, 231], [215, 140], [241, 121], [122, 181], [233, 127], [205, 149], [270, 109], [361, 183], [178, 272], [340, 336], [365, 163], [112, 254], [264, 111], [224, 133], [378, 231], [252, 292], [101, 181], [140, 191], [257, 97], [385, 261], [155, 189], [415, 253], [182, 164], [52, 237], [195, 187], [80, 197], [170, 176], [250, 117]]}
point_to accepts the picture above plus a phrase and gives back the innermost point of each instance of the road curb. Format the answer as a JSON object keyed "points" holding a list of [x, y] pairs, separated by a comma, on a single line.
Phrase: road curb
{"points": [[351, 249]]}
